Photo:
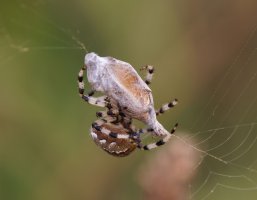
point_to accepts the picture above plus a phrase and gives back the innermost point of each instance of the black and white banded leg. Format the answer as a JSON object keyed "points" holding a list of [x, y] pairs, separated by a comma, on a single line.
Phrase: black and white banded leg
{"points": [[163, 109], [98, 101], [110, 112], [149, 75], [160, 142], [121, 118], [166, 107], [97, 125], [145, 130]]}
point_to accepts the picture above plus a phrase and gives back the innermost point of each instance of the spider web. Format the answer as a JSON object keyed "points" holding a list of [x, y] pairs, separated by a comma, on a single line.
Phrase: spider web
{"points": [[226, 138], [236, 128]]}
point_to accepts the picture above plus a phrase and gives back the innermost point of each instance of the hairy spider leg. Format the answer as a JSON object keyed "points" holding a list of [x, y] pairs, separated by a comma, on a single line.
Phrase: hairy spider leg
{"points": [[149, 75], [115, 111], [166, 107], [97, 125], [98, 101], [106, 113], [160, 142], [160, 111]]}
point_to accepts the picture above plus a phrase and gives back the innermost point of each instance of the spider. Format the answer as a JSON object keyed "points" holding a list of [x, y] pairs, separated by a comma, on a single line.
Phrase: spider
{"points": [[120, 82], [118, 137]]}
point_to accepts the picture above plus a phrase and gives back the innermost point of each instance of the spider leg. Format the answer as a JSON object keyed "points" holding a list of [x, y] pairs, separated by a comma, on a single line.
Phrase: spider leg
{"points": [[109, 112], [125, 120], [98, 101], [121, 118], [127, 123], [160, 142], [145, 130], [163, 109], [160, 111], [97, 125], [166, 107], [149, 75]]}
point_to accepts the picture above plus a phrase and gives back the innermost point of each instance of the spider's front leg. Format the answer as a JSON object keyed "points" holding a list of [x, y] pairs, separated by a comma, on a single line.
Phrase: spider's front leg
{"points": [[102, 101], [149, 75]]}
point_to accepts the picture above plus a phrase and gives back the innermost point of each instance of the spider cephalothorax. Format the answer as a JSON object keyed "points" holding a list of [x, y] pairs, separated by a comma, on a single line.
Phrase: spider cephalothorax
{"points": [[127, 97]]}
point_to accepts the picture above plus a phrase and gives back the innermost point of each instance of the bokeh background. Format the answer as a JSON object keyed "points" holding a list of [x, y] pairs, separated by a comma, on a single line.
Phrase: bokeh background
{"points": [[204, 53]]}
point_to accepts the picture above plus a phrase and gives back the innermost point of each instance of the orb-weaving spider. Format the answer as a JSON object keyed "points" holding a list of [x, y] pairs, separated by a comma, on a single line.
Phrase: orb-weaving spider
{"points": [[117, 136]]}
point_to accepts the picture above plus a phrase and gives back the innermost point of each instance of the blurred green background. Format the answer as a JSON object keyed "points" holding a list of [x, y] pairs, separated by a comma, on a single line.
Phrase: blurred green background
{"points": [[204, 55]]}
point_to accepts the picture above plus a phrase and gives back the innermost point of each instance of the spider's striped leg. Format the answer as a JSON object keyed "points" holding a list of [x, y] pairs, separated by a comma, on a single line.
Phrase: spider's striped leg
{"points": [[113, 112], [160, 142], [81, 83], [98, 101], [106, 113], [158, 112], [121, 118], [166, 107], [125, 120], [97, 125], [149, 75], [145, 130], [127, 123]]}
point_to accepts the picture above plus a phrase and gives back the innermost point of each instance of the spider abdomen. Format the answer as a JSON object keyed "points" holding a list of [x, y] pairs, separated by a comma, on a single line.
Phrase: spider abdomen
{"points": [[114, 146]]}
